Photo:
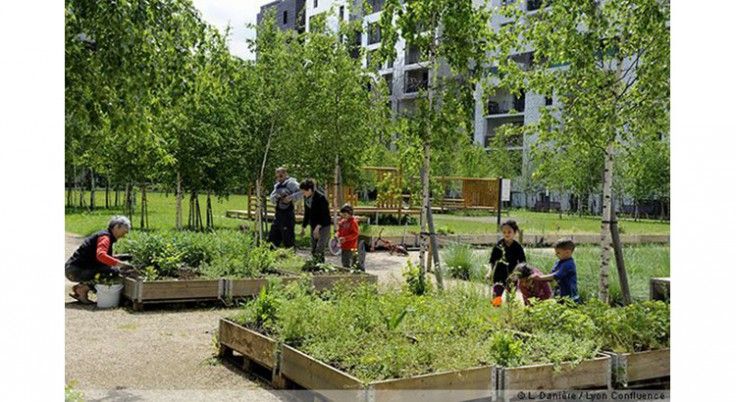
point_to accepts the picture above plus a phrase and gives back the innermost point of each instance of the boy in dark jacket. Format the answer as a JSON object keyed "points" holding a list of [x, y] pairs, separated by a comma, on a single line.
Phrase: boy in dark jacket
{"points": [[317, 216]]}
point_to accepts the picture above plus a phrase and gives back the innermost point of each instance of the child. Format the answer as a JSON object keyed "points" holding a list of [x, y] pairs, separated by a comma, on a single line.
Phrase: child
{"points": [[527, 286], [506, 255], [564, 271], [347, 235]]}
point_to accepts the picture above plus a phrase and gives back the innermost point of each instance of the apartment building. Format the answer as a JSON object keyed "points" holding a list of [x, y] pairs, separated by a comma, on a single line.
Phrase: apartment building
{"points": [[289, 14]]}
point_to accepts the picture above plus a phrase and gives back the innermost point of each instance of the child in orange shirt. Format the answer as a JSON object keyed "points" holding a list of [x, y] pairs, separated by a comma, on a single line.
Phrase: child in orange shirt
{"points": [[347, 235]]}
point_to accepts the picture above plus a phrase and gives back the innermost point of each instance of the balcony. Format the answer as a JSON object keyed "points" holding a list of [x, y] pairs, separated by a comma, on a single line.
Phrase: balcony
{"points": [[416, 80]]}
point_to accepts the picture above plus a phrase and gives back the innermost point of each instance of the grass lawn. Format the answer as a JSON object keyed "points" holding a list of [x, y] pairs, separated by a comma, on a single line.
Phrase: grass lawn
{"points": [[162, 215]]}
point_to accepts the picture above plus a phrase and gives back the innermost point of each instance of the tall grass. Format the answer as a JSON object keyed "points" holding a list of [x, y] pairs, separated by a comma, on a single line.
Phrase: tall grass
{"points": [[462, 262]]}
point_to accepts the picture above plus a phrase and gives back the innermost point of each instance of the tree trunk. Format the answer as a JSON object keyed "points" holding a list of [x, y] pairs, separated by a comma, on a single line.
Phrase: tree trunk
{"points": [[179, 197], [117, 196], [623, 279], [210, 217], [605, 224], [435, 251], [92, 185], [338, 192], [107, 192], [424, 173], [128, 202], [261, 212], [68, 194], [144, 208]]}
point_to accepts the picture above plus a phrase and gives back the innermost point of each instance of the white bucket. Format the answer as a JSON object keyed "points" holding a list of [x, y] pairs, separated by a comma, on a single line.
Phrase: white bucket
{"points": [[108, 296]]}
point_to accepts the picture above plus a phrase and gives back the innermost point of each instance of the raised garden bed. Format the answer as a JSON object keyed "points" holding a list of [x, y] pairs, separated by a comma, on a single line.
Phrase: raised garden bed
{"points": [[141, 292], [640, 368], [289, 365], [451, 343]]}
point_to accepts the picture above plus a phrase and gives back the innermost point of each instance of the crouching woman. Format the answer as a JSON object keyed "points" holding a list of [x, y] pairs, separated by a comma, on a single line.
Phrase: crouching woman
{"points": [[95, 256]]}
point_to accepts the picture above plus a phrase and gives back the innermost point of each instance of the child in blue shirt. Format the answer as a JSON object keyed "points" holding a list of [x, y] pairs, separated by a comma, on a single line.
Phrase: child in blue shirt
{"points": [[564, 271]]}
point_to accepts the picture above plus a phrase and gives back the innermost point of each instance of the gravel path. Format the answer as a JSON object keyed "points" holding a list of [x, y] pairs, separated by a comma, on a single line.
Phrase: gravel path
{"points": [[166, 353]]}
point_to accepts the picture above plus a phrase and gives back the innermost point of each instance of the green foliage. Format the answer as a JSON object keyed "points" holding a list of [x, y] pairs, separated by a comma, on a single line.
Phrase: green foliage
{"points": [[462, 262], [415, 281], [506, 349], [210, 255]]}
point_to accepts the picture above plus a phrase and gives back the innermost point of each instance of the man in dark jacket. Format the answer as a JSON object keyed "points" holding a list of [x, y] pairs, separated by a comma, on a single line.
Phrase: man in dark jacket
{"points": [[317, 216], [285, 193], [95, 257]]}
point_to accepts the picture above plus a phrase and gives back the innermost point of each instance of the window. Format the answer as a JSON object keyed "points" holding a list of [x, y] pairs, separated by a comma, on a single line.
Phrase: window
{"points": [[389, 82], [547, 101], [374, 33], [342, 13], [416, 80], [413, 55], [376, 5], [316, 3], [286, 17]]}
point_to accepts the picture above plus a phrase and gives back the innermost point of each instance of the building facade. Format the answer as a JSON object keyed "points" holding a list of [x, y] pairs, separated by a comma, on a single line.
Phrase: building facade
{"points": [[289, 14]]}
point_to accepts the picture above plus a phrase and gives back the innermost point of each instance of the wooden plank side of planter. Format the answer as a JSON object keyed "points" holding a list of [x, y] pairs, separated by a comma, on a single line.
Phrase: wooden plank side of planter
{"points": [[468, 384], [249, 343], [594, 373], [175, 290], [245, 287], [129, 288], [323, 282], [647, 365], [313, 374]]}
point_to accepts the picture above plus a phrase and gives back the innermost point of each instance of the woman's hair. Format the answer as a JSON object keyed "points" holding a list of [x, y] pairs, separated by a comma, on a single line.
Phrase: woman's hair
{"points": [[118, 220], [307, 184], [523, 270], [347, 209], [512, 224]]}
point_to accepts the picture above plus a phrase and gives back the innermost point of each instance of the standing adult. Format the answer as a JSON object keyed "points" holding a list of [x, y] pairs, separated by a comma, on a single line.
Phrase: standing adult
{"points": [[94, 257], [285, 193], [317, 216]]}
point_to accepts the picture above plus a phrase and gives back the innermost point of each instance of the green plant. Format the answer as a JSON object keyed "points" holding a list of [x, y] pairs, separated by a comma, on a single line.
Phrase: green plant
{"points": [[71, 394], [149, 273], [107, 280], [505, 348], [462, 262], [416, 282]]}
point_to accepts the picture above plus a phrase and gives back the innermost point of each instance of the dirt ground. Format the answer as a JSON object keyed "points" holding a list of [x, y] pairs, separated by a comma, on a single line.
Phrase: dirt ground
{"points": [[165, 353]]}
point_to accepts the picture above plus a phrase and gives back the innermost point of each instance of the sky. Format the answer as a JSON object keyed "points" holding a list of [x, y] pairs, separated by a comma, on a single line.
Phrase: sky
{"points": [[237, 13]]}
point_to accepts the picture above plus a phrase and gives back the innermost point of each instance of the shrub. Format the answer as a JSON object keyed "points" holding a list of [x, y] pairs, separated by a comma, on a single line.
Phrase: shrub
{"points": [[416, 283]]}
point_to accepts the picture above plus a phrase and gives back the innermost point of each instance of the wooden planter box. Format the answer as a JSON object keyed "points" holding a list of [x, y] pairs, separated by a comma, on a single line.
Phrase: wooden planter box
{"points": [[640, 366], [473, 383], [250, 287], [140, 292], [589, 374]]}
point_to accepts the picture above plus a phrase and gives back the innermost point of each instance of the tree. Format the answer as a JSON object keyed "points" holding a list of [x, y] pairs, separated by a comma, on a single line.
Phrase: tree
{"points": [[449, 35], [608, 64], [646, 172], [340, 115]]}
